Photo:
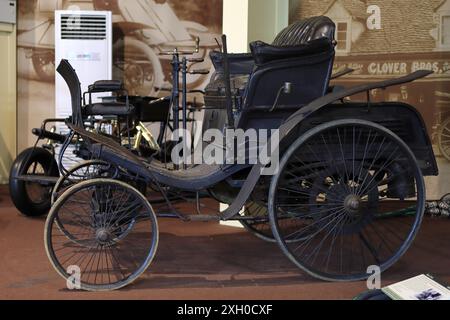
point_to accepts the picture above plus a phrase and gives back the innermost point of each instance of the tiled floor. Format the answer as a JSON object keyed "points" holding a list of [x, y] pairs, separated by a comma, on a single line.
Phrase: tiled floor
{"points": [[200, 260]]}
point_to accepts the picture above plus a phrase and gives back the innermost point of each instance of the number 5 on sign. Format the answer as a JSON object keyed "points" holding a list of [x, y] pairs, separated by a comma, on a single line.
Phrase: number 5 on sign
{"points": [[73, 282]]}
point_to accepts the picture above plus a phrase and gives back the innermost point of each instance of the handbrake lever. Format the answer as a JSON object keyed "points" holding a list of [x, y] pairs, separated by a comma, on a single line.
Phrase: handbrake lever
{"points": [[199, 71], [195, 60]]}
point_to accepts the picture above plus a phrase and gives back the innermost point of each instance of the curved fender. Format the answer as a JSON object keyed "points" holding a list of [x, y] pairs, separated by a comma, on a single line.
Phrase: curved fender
{"points": [[295, 119]]}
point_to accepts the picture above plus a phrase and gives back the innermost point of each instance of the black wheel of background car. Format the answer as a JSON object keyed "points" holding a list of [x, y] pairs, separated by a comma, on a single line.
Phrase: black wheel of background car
{"points": [[444, 138], [259, 226], [138, 65], [253, 208], [357, 193], [32, 198], [222, 192], [44, 64], [109, 254]]}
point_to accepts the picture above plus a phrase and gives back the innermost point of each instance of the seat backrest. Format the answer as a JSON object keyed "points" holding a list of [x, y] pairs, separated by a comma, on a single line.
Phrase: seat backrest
{"points": [[70, 77], [305, 30], [307, 67], [306, 64], [297, 33], [301, 54]]}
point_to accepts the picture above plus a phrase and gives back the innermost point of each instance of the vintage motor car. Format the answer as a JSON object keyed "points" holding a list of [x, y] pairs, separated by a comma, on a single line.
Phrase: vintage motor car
{"points": [[348, 192]]}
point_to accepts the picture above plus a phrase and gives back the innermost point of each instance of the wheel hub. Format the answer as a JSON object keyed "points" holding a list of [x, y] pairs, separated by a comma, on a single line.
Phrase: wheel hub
{"points": [[102, 235], [352, 203]]}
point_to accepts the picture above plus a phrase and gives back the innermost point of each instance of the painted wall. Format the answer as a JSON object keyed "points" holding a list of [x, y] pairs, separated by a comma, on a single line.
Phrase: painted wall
{"points": [[7, 99], [245, 21], [266, 19], [235, 24]]}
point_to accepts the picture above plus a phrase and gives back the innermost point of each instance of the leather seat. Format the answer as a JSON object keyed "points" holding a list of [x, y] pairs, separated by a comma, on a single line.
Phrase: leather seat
{"points": [[296, 34], [302, 54], [108, 109], [263, 52], [106, 86]]}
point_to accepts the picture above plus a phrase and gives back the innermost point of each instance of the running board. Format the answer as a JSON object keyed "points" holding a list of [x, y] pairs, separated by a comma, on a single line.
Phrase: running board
{"points": [[202, 217]]}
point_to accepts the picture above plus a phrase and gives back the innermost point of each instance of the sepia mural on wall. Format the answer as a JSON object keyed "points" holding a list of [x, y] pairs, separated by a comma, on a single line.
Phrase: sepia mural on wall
{"points": [[141, 28], [382, 39]]}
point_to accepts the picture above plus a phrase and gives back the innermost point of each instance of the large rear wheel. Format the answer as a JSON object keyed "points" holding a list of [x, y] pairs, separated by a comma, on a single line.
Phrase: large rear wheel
{"points": [[355, 194]]}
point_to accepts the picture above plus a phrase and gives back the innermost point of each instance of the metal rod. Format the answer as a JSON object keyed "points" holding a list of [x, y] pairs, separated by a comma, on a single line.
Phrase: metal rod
{"points": [[226, 72], [184, 106], [175, 96]]}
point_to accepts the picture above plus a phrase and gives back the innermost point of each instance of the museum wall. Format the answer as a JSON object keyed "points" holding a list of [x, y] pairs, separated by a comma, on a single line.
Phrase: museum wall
{"points": [[382, 39], [36, 65], [8, 102]]}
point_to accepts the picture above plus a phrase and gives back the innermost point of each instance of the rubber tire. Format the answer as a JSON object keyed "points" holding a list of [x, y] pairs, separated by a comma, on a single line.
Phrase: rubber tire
{"points": [[17, 188], [60, 201], [273, 188]]}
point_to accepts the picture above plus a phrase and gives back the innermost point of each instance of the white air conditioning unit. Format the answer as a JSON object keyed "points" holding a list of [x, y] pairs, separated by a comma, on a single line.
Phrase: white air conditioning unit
{"points": [[84, 38]]}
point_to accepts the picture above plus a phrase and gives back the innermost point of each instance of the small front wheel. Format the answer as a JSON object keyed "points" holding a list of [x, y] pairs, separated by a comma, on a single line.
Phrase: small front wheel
{"points": [[116, 230]]}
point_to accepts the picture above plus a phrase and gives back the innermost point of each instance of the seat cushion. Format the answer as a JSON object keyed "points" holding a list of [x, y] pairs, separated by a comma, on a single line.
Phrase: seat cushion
{"points": [[263, 52], [106, 86], [108, 109]]}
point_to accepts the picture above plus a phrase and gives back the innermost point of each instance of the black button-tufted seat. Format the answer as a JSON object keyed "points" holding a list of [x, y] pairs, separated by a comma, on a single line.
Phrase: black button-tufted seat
{"points": [[263, 52], [305, 30], [297, 33], [301, 54]]}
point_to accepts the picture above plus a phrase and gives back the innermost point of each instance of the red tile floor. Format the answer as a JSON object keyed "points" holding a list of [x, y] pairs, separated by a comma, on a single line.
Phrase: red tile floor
{"points": [[199, 260]]}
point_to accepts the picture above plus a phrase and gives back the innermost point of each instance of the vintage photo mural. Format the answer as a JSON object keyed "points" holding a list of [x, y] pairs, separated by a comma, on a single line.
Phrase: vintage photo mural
{"points": [[382, 39], [142, 29]]}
